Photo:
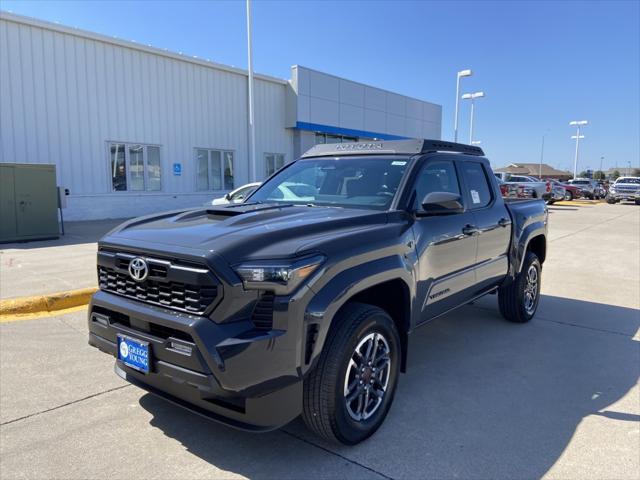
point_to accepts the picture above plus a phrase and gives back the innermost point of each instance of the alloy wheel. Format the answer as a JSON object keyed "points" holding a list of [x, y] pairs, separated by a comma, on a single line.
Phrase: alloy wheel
{"points": [[367, 376]]}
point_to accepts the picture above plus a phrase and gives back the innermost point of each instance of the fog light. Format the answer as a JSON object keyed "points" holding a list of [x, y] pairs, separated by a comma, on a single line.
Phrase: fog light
{"points": [[100, 319], [180, 347]]}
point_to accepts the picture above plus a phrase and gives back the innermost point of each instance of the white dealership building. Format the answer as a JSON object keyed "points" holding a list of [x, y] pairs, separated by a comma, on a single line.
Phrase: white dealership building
{"points": [[134, 129]]}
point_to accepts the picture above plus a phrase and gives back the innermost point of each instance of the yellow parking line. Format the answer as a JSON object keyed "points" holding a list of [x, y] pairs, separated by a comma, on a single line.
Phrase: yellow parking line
{"points": [[39, 315]]}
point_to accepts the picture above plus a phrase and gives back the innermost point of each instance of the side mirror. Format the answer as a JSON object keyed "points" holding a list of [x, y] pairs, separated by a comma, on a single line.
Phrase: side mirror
{"points": [[441, 203], [227, 196]]}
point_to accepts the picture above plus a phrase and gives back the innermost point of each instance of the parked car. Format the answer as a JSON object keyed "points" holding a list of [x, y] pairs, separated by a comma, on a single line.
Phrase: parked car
{"points": [[515, 190], [587, 185], [236, 196], [600, 190], [624, 188], [255, 313], [571, 191], [542, 189]]}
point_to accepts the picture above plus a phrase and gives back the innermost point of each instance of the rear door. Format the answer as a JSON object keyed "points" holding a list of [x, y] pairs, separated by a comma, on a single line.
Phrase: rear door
{"points": [[492, 220], [446, 251]]}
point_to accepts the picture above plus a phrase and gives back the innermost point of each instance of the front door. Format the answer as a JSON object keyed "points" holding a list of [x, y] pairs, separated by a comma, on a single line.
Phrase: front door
{"points": [[446, 249]]}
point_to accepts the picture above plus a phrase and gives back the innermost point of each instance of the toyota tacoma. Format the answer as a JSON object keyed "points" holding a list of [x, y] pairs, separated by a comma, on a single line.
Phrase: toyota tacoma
{"points": [[302, 300]]}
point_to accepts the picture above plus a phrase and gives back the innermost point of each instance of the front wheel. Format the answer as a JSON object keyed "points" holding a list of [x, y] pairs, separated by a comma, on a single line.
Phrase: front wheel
{"points": [[637, 202], [518, 301], [348, 394], [568, 196]]}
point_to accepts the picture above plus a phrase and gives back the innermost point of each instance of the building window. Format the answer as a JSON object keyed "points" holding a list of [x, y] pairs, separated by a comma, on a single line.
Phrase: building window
{"points": [[273, 162], [214, 169], [325, 138], [135, 167]]}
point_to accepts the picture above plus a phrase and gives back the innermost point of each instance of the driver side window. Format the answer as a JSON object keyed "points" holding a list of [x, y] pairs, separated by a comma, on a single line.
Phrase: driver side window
{"points": [[436, 176]]}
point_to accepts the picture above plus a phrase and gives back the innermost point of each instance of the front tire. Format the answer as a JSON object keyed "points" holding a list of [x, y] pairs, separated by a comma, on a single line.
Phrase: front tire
{"points": [[518, 301], [348, 394], [568, 196]]}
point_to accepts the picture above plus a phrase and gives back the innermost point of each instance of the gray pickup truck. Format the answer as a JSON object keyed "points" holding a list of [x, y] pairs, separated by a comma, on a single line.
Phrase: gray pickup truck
{"points": [[304, 304]]}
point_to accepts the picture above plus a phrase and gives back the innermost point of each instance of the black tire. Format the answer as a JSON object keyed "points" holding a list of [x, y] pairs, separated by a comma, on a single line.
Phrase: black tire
{"points": [[513, 300], [611, 201], [637, 202], [325, 410], [568, 196]]}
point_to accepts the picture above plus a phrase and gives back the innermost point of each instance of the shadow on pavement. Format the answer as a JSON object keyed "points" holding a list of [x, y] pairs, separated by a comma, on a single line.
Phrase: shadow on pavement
{"points": [[76, 233], [483, 398]]}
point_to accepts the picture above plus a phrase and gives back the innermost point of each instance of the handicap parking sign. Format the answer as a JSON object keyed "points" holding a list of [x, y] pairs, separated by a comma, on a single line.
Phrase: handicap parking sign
{"points": [[177, 169]]}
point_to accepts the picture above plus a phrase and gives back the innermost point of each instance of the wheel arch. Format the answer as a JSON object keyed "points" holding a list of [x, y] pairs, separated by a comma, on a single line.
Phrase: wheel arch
{"points": [[384, 283]]}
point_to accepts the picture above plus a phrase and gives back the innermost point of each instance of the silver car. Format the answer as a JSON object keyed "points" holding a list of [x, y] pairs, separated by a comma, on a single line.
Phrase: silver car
{"points": [[625, 188]]}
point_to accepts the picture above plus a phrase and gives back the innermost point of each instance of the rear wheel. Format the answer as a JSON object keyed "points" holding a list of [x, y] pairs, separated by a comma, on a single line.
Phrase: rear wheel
{"points": [[348, 394], [611, 201], [637, 202], [518, 301]]}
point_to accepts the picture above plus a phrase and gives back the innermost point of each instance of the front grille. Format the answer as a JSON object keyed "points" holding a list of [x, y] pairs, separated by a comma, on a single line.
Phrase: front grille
{"points": [[178, 296], [262, 316]]}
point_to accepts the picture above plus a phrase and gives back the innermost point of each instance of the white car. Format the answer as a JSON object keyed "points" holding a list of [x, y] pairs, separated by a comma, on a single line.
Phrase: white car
{"points": [[238, 195]]}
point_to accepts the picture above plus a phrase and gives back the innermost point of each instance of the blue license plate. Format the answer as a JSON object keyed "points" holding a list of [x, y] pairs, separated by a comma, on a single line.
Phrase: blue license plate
{"points": [[133, 353]]}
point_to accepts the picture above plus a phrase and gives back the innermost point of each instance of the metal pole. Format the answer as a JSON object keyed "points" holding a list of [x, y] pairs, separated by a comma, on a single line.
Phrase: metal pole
{"points": [[252, 130], [455, 127], [471, 122], [541, 157], [575, 159]]}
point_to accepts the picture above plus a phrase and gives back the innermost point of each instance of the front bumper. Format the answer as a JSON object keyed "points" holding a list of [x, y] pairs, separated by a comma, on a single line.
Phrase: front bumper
{"points": [[624, 196], [228, 372]]}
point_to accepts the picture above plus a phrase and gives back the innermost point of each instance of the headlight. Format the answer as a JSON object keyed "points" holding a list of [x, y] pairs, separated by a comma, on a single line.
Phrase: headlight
{"points": [[280, 276]]}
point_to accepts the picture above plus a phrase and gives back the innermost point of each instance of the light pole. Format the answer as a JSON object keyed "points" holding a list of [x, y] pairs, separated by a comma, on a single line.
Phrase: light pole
{"points": [[252, 127], [461, 73], [472, 97], [542, 154], [601, 172], [577, 136]]}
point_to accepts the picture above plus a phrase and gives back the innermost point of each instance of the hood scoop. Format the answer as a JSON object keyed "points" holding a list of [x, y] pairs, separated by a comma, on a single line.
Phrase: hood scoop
{"points": [[227, 211]]}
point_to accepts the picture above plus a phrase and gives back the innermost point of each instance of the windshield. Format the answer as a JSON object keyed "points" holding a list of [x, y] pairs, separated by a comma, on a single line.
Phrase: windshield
{"points": [[628, 180], [580, 182], [352, 182]]}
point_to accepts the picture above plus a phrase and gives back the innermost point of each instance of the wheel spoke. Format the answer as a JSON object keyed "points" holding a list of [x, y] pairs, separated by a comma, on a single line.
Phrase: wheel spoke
{"points": [[382, 362], [375, 349]]}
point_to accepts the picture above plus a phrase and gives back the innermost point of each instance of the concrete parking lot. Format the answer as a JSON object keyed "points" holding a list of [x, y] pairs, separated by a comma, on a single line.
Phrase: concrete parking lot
{"points": [[483, 398]]}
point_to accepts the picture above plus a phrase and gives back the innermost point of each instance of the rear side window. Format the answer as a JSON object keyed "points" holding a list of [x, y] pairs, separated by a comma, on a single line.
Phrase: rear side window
{"points": [[478, 189]]}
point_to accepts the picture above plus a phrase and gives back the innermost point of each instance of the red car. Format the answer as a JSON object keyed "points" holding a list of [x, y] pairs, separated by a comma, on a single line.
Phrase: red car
{"points": [[571, 191]]}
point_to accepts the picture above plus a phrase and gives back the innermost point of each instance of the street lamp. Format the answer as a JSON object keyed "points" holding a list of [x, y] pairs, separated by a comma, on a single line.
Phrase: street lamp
{"points": [[472, 97], [542, 153], [461, 73], [577, 136]]}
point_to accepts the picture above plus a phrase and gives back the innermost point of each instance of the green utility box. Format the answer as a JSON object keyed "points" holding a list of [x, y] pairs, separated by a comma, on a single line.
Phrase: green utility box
{"points": [[28, 202]]}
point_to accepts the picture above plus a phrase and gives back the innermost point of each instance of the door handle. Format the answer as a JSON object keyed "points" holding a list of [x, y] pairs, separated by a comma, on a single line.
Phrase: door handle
{"points": [[504, 222], [470, 230]]}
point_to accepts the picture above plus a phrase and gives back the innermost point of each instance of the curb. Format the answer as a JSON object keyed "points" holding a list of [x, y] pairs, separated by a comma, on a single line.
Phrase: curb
{"points": [[46, 303]]}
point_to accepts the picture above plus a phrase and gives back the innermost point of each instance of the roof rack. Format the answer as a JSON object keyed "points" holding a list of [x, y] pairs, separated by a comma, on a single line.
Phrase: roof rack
{"points": [[407, 147]]}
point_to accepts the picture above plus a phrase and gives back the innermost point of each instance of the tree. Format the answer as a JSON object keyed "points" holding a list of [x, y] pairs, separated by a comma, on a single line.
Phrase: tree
{"points": [[598, 175], [583, 174], [636, 172], [615, 174]]}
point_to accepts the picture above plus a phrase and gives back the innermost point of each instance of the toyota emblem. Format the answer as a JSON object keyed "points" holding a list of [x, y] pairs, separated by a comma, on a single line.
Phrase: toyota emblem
{"points": [[138, 269]]}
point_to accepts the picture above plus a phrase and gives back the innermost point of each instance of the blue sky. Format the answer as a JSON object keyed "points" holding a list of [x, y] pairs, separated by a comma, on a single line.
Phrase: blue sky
{"points": [[541, 64]]}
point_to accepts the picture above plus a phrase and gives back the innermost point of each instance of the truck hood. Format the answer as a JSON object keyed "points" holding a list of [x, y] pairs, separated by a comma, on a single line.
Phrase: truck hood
{"points": [[246, 231]]}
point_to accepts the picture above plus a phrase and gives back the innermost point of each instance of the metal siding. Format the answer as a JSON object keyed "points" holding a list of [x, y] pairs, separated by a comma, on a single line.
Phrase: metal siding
{"points": [[64, 96]]}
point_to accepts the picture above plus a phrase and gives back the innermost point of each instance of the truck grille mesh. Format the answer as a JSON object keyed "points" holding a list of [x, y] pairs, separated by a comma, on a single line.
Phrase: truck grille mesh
{"points": [[178, 296]]}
